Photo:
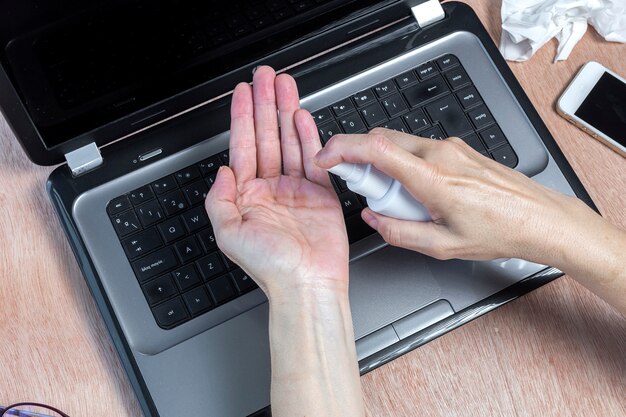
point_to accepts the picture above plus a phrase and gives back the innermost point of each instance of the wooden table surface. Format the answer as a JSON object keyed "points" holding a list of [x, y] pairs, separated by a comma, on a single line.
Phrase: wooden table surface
{"points": [[559, 351]]}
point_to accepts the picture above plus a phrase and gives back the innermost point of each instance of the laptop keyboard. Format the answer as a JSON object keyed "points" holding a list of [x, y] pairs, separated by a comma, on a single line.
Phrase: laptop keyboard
{"points": [[435, 100], [166, 233]]}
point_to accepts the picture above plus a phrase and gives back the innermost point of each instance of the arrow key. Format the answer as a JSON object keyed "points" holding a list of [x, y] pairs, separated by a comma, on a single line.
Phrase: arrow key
{"points": [[159, 289]]}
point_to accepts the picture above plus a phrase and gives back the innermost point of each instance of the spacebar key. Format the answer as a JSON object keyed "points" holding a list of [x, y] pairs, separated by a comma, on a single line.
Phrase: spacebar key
{"points": [[154, 264]]}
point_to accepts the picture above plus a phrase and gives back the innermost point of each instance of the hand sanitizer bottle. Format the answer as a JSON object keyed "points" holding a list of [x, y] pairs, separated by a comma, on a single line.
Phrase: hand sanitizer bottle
{"points": [[384, 194]]}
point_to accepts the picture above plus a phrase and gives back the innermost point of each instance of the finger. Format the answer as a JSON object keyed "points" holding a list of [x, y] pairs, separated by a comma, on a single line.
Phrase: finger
{"points": [[242, 143], [266, 123], [311, 145], [423, 237], [416, 145], [288, 103], [417, 175], [220, 203]]}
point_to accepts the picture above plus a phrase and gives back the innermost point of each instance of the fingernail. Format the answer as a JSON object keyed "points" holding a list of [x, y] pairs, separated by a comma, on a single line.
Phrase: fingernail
{"points": [[369, 219]]}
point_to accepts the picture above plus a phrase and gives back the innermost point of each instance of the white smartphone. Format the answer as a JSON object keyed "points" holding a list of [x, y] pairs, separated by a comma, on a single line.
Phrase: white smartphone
{"points": [[595, 101]]}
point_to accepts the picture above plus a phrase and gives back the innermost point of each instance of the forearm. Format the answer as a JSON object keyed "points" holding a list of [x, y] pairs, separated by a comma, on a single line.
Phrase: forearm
{"points": [[593, 252], [314, 365]]}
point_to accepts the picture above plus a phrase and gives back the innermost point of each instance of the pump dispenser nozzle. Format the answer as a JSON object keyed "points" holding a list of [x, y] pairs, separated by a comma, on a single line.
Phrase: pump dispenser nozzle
{"points": [[384, 194]]}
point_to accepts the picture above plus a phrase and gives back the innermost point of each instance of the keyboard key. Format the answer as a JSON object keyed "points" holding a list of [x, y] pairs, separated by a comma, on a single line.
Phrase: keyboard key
{"points": [[210, 179], [149, 213], [364, 97], [352, 123], [342, 185], [506, 156], [154, 264], [349, 203], [141, 195], [448, 113], [171, 229], [126, 223], [357, 229], [406, 79], [243, 281], [198, 300], [187, 175], [373, 114], [159, 289], [207, 240], [481, 117], [209, 165], [446, 62], [468, 97], [186, 277], [210, 266], [394, 105], [170, 313], [426, 70], [322, 116], [342, 107], [457, 77], [188, 249], [164, 185], [493, 137], [173, 202], [141, 243], [225, 157], [328, 130], [426, 90], [221, 289], [117, 205], [196, 192], [434, 132], [385, 88], [195, 219], [228, 262], [473, 141], [416, 120], [395, 124]]}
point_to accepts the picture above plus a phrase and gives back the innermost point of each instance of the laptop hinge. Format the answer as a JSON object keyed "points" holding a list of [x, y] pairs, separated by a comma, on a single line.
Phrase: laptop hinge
{"points": [[428, 12], [84, 159]]}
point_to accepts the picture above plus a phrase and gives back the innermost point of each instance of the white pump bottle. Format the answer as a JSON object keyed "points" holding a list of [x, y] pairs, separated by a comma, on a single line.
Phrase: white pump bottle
{"points": [[384, 194]]}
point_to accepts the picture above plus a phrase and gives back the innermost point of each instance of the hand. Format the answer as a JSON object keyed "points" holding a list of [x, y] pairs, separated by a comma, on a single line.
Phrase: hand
{"points": [[480, 209], [285, 230]]}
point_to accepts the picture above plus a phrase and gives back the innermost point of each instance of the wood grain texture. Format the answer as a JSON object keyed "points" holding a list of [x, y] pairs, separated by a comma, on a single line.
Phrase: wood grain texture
{"points": [[558, 351]]}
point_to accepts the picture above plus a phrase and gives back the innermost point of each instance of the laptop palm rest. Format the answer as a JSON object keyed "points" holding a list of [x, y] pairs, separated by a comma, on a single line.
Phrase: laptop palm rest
{"points": [[387, 285]]}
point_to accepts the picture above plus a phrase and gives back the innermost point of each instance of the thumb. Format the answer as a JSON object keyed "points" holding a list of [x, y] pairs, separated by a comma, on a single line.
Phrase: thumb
{"points": [[423, 237], [220, 202]]}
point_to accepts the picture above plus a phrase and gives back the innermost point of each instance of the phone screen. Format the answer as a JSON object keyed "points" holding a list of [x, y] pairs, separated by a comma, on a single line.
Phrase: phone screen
{"points": [[605, 108]]}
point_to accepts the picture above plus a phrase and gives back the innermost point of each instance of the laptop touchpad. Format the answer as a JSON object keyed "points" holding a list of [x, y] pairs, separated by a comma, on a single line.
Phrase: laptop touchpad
{"points": [[387, 285]]}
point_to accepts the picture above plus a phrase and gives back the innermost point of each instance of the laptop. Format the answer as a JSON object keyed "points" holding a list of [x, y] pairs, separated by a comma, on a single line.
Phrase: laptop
{"points": [[131, 100]]}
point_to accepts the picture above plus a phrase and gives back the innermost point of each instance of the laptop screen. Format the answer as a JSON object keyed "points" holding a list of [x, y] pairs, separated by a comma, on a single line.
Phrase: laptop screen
{"points": [[78, 65]]}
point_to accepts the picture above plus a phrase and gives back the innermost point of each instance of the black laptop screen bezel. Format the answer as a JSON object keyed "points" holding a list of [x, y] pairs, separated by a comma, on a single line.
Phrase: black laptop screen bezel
{"points": [[359, 20]]}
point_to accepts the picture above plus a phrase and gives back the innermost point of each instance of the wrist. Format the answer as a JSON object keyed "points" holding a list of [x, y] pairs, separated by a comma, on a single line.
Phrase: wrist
{"points": [[313, 284], [319, 291]]}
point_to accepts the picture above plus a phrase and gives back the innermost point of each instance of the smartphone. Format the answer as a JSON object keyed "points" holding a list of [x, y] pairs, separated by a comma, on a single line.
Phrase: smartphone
{"points": [[595, 101]]}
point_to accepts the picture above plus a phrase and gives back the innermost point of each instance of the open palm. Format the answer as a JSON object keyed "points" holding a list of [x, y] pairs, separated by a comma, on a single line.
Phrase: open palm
{"points": [[274, 211]]}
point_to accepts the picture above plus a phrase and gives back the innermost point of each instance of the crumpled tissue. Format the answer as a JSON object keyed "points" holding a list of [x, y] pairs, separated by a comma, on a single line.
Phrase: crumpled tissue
{"points": [[528, 24]]}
